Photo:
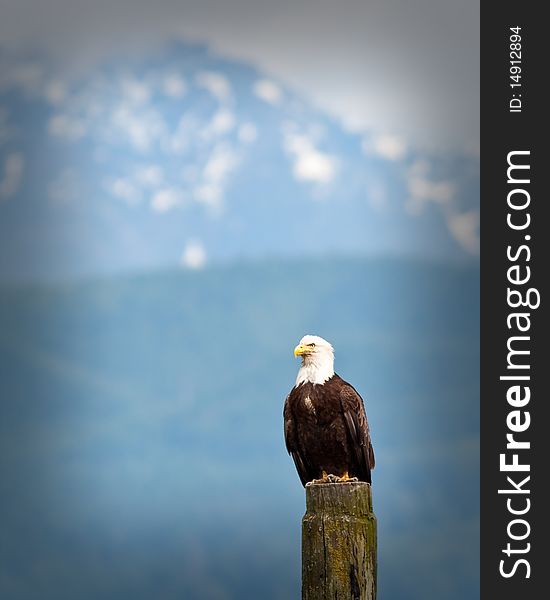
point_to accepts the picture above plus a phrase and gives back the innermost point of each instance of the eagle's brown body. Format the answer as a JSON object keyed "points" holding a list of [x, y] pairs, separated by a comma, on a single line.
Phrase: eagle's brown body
{"points": [[326, 430]]}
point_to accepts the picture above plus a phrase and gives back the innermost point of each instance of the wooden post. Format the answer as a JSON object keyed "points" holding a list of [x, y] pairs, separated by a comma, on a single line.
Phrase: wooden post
{"points": [[339, 542]]}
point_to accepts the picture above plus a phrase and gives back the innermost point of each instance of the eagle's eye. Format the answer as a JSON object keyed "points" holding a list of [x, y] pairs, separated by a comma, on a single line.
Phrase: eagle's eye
{"points": [[312, 345]]}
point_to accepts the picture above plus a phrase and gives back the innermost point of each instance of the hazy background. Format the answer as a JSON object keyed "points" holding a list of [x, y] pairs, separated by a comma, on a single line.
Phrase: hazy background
{"points": [[185, 190]]}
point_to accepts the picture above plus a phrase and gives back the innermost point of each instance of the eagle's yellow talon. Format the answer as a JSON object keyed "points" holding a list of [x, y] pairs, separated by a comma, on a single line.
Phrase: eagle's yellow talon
{"points": [[324, 479]]}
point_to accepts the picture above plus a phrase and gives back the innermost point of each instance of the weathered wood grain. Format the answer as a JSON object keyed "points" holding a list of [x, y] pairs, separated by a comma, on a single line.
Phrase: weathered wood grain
{"points": [[339, 542]]}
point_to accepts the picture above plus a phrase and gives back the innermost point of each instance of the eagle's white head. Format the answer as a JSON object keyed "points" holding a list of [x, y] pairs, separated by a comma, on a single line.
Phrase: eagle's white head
{"points": [[317, 360]]}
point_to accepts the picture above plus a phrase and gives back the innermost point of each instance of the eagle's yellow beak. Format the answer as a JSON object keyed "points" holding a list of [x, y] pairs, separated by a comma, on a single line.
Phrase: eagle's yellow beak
{"points": [[301, 349]]}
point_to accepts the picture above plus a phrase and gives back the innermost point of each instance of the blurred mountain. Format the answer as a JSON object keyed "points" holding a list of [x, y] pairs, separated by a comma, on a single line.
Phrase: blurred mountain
{"points": [[141, 428], [187, 156]]}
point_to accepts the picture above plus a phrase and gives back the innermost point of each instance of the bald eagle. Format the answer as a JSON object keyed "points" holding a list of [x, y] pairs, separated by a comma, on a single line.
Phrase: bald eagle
{"points": [[326, 428]]}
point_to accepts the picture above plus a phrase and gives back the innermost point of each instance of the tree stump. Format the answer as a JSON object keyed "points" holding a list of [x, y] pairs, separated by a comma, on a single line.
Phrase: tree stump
{"points": [[339, 542]]}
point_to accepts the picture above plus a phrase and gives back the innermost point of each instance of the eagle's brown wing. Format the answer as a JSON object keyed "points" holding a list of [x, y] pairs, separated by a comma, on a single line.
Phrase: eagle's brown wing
{"points": [[358, 430], [305, 472]]}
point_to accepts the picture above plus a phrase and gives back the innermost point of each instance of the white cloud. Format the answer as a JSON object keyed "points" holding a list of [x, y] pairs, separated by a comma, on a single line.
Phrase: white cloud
{"points": [[220, 164], [150, 176], [390, 147], [465, 229], [310, 164], [423, 190], [268, 91], [14, 165], [216, 83], [166, 199], [142, 128], [55, 92], [124, 189], [135, 91], [211, 186], [248, 133], [463, 226], [193, 256], [174, 86], [222, 123], [67, 127], [186, 131], [210, 194]]}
